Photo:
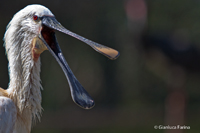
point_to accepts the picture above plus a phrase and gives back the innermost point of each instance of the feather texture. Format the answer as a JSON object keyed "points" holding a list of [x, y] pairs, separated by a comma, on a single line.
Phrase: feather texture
{"points": [[8, 118], [24, 90], [24, 86]]}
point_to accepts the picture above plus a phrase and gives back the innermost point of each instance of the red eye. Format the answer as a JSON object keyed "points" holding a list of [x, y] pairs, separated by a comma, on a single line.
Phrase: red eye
{"points": [[35, 17]]}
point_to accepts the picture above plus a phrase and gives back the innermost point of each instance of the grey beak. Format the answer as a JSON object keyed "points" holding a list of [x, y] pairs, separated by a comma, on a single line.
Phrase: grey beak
{"points": [[78, 93], [51, 22]]}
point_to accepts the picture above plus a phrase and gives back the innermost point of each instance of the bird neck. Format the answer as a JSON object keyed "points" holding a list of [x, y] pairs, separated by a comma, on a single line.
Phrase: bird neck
{"points": [[24, 72], [24, 87]]}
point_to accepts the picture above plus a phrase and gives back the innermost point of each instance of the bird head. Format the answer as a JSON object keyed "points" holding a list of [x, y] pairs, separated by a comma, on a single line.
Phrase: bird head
{"points": [[36, 25]]}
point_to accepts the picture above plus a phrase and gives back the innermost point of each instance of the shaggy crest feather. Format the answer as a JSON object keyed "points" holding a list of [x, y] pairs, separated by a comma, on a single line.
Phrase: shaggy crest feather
{"points": [[24, 87]]}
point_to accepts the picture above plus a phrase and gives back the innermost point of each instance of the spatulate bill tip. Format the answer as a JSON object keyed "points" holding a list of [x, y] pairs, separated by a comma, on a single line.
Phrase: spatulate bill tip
{"points": [[89, 104], [115, 56], [108, 52], [81, 97]]}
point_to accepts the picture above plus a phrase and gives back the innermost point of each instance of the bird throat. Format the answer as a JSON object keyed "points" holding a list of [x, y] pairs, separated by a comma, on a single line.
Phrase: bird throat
{"points": [[37, 48]]}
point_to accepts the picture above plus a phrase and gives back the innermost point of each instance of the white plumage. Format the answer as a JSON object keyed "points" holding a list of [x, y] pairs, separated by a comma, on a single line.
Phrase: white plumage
{"points": [[24, 87]]}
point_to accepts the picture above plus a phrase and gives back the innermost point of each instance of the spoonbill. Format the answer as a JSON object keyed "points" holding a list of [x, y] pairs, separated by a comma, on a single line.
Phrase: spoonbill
{"points": [[30, 32]]}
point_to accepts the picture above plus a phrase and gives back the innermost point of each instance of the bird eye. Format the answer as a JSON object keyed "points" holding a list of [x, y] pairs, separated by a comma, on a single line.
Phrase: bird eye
{"points": [[35, 17]]}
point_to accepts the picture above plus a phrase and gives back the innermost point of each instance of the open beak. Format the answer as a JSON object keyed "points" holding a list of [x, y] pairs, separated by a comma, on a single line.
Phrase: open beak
{"points": [[47, 35]]}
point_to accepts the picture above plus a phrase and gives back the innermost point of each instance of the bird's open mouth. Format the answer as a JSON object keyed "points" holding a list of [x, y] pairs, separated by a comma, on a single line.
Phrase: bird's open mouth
{"points": [[49, 36], [78, 93]]}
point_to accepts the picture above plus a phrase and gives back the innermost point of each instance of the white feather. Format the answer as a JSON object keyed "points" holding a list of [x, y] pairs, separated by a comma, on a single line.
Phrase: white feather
{"points": [[8, 118], [24, 88]]}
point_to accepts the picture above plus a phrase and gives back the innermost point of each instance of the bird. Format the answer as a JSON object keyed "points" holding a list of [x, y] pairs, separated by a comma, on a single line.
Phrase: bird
{"points": [[30, 32]]}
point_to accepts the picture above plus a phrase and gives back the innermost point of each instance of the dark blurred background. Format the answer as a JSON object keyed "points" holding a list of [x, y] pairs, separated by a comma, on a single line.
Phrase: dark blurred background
{"points": [[155, 81]]}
